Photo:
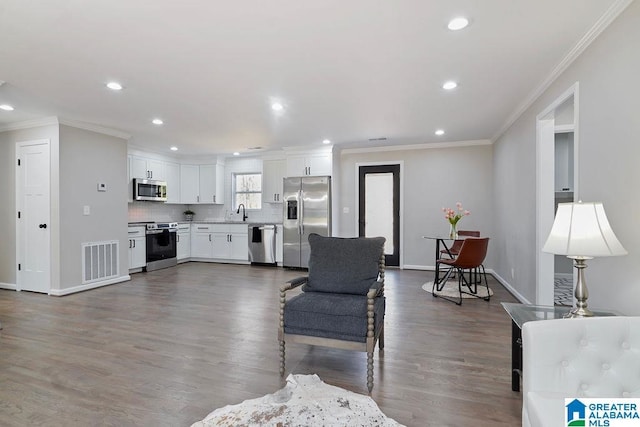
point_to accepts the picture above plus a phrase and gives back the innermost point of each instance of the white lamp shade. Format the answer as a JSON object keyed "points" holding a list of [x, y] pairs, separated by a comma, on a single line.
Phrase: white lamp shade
{"points": [[582, 230]]}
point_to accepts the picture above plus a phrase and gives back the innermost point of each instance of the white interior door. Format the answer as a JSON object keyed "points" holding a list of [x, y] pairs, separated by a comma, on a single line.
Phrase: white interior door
{"points": [[33, 224]]}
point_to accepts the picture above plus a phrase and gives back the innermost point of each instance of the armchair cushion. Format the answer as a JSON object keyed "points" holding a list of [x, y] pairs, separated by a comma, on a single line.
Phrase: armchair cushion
{"points": [[336, 316], [343, 265]]}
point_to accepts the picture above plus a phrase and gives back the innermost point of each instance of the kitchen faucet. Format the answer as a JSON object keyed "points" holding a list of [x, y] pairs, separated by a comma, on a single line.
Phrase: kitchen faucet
{"points": [[244, 212]]}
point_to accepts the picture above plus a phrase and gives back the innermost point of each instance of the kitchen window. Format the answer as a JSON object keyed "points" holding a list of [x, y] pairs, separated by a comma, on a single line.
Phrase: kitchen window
{"points": [[247, 189]]}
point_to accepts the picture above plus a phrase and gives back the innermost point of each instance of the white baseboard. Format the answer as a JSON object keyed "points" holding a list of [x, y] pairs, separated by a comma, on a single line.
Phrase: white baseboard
{"points": [[9, 286], [510, 288], [80, 288], [419, 267]]}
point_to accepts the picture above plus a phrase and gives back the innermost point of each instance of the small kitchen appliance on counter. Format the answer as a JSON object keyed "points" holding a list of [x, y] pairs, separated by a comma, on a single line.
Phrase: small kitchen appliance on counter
{"points": [[161, 245]]}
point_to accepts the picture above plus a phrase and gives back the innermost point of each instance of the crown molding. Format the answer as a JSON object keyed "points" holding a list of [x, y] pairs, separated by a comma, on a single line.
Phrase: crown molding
{"points": [[95, 128], [601, 24], [424, 146], [27, 124]]}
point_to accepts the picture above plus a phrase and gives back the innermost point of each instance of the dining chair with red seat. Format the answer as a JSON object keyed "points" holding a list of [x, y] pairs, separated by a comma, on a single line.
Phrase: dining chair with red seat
{"points": [[470, 258], [454, 250]]}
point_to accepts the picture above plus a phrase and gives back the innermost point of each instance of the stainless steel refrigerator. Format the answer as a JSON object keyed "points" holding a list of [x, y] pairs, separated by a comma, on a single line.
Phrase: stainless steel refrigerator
{"points": [[307, 209]]}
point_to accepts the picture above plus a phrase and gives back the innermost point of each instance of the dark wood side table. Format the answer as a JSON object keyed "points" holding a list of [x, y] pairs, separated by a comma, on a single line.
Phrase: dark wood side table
{"points": [[523, 313]]}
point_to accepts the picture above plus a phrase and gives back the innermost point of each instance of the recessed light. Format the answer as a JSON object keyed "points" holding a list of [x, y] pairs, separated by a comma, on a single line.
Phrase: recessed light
{"points": [[326, 141], [236, 153], [276, 106], [114, 86], [157, 121], [449, 85], [174, 148], [6, 107], [439, 132], [458, 23]]}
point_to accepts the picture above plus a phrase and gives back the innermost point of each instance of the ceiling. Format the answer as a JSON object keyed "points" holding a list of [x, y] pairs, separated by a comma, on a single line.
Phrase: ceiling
{"points": [[347, 71]]}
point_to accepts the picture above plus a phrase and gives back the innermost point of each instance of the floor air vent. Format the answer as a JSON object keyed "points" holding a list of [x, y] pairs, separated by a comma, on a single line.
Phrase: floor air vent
{"points": [[99, 261]]}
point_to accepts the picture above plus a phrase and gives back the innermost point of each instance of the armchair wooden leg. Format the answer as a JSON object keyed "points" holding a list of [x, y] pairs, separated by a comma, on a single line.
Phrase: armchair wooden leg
{"points": [[370, 371], [381, 339], [282, 358]]}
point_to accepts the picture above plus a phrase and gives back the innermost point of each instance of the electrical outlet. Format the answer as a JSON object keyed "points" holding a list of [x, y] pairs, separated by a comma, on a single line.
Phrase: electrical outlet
{"points": [[513, 273], [86, 210]]}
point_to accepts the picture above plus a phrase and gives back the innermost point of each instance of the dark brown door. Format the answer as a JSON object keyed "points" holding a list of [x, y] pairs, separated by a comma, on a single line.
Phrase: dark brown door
{"points": [[379, 207]]}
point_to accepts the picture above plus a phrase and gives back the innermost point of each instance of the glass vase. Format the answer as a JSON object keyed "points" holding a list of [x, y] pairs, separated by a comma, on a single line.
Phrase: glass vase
{"points": [[453, 231]]}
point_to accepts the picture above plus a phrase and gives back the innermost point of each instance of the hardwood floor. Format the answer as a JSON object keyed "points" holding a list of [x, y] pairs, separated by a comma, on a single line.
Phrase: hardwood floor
{"points": [[170, 346]]}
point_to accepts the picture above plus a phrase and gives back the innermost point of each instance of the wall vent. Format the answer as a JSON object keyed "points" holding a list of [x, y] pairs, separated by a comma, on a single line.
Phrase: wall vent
{"points": [[99, 261]]}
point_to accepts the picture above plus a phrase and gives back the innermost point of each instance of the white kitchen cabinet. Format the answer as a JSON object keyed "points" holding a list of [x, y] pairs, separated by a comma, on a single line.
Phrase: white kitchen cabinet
{"points": [[183, 243], [273, 171], [202, 184], [172, 177], [211, 184], [142, 167], [317, 164], [220, 242], [230, 242], [201, 241], [137, 248], [189, 184]]}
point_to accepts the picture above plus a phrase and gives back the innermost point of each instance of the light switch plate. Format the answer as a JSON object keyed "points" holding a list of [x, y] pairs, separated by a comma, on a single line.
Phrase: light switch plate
{"points": [[102, 186], [86, 210]]}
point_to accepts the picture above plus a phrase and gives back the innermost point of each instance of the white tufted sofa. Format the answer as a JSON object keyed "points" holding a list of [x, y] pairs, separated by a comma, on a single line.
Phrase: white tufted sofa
{"points": [[587, 357]]}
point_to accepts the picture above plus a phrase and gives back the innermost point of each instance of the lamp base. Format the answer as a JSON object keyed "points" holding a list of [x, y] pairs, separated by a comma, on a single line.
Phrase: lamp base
{"points": [[581, 293], [579, 312]]}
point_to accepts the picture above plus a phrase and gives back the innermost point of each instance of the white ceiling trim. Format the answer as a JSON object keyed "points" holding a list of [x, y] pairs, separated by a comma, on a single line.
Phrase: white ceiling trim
{"points": [[27, 124], [95, 128], [605, 20], [424, 146]]}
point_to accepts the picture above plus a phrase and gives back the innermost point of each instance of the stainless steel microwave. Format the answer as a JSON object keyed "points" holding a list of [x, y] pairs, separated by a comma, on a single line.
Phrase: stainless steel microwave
{"points": [[150, 190]]}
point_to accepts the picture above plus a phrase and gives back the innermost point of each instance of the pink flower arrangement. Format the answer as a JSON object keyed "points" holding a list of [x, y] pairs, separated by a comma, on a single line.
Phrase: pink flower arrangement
{"points": [[453, 216]]}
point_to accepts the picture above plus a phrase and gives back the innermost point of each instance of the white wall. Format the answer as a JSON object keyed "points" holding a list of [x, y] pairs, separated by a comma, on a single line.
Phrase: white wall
{"points": [[87, 158], [608, 152], [8, 141], [433, 178]]}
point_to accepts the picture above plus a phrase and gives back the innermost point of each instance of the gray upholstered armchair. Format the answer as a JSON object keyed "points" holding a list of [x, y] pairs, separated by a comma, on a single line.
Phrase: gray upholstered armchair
{"points": [[342, 304]]}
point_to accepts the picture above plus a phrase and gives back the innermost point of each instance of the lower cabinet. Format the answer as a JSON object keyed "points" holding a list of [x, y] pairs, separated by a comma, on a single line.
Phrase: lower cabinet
{"points": [[137, 248], [279, 242], [220, 242], [183, 244]]}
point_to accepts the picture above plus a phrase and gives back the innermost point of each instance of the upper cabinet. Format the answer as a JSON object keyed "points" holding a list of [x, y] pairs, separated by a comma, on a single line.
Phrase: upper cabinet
{"points": [[211, 184], [273, 171], [202, 184], [147, 168], [189, 183], [172, 177], [316, 164]]}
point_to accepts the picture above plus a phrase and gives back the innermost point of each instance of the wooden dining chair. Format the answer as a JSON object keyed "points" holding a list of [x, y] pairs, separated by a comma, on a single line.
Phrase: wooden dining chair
{"points": [[470, 259]]}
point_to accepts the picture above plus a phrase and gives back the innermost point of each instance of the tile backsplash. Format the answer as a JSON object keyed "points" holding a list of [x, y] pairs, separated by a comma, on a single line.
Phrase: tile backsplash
{"points": [[152, 211]]}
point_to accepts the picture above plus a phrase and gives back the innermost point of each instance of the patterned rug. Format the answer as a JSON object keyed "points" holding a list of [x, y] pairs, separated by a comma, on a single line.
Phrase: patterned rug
{"points": [[304, 401], [563, 292], [450, 290]]}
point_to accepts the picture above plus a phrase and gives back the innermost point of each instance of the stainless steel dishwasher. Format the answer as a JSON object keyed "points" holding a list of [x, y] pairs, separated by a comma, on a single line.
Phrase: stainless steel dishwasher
{"points": [[262, 244]]}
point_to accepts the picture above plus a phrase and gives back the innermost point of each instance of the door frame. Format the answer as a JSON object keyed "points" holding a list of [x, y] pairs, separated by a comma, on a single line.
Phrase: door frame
{"points": [[18, 194], [356, 203], [545, 191]]}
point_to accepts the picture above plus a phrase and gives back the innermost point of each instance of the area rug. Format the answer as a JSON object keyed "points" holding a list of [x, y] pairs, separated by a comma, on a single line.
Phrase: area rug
{"points": [[304, 401], [450, 290], [563, 291]]}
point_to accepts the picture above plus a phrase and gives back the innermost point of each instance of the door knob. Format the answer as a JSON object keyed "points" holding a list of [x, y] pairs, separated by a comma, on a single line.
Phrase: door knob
{"points": [[43, 226]]}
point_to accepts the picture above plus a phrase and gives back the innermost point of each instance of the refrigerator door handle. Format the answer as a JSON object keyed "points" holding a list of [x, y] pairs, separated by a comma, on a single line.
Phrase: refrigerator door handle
{"points": [[301, 213]]}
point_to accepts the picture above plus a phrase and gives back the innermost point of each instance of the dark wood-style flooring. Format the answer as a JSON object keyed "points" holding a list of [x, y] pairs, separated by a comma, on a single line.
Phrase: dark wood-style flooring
{"points": [[170, 346]]}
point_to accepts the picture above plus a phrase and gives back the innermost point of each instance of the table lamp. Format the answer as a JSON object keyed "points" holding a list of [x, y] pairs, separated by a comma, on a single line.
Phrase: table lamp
{"points": [[581, 231]]}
